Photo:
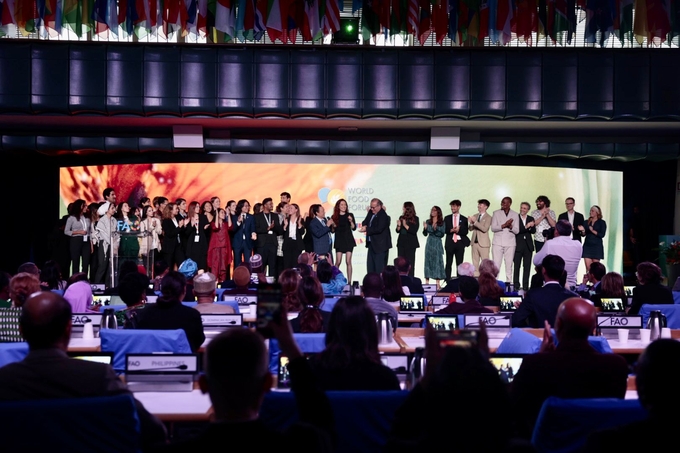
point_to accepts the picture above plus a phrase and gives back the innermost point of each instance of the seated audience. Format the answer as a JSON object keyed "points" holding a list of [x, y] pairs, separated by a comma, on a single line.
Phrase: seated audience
{"points": [[351, 360], [311, 318], [205, 285], [240, 284], [5, 301], [237, 392], [392, 290], [649, 289], [490, 291], [160, 269], [126, 267], [189, 269], [48, 373], [469, 287], [289, 280], [414, 284], [168, 313], [655, 379], [31, 268], [540, 304], [372, 287], [572, 369], [332, 280], [464, 269], [610, 285], [132, 290], [591, 281], [21, 286], [79, 295], [50, 276], [490, 267]]}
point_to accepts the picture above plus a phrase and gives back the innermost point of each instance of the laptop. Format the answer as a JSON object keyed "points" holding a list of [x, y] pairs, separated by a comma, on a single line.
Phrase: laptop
{"points": [[629, 290], [613, 305], [442, 322], [508, 303], [507, 365], [413, 304], [93, 356], [101, 300]]}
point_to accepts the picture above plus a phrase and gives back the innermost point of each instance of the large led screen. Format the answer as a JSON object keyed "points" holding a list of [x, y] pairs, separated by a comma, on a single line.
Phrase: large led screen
{"points": [[425, 185]]}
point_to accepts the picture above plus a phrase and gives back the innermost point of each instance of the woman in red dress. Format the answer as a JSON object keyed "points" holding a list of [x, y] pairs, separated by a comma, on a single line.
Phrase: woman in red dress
{"points": [[220, 255]]}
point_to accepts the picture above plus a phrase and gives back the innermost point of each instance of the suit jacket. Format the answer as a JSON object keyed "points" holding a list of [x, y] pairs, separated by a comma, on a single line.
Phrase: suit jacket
{"points": [[243, 232], [262, 230], [321, 236], [414, 284], [378, 232], [524, 238], [650, 294], [578, 220], [409, 238], [51, 374], [573, 370], [171, 234], [540, 305], [462, 232], [480, 230], [504, 237]]}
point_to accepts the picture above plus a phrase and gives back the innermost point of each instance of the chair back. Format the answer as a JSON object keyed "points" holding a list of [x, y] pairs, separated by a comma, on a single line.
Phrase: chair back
{"points": [[308, 342], [81, 425], [563, 425], [140, 341], [671, 311], [12, 352], [517, 341]]}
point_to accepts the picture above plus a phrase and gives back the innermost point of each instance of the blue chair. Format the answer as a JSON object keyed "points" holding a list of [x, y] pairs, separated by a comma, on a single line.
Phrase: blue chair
{"points": [[141, 341], [58, 291], [230, 303], [672, 313], [517, 341], [12, 352], [308, 343], [81, 425], [329, 303], [563, 425], [362, 419]]}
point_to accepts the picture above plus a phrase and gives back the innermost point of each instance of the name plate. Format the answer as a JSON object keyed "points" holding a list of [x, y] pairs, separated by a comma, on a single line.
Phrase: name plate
{"points": [[491, 320], [241, 299], [619, 321], [222, 320], [161, 363], [440, 300], [79, 319]]}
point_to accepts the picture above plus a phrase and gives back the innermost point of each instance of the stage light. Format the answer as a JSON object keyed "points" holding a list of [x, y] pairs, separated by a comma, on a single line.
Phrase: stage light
{"points": [[348, 32]]}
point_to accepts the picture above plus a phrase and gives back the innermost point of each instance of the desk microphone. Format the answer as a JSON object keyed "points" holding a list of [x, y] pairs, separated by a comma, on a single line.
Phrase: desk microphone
{"points": [[177, 367]]}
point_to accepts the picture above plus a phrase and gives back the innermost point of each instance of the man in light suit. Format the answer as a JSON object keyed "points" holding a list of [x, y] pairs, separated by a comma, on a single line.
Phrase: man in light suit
{"points": [[376, 225], [321, 231], [244, 231], [480, 224], [575, 218], [505, 225], [456, 226], [525, 246]]}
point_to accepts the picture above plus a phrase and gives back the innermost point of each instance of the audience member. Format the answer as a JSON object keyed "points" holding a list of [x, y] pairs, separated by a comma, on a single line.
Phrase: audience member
{"points": [[48, 373], [241, 283], [289, 280], [50, 276], [21, 286], [31, 268], [351, 360], [414, 284], [205, 285], [465, 268], [132, 290], [79, 295], [168, 312], [311, 319], [160, 270], [392, 290], [5, 301], [189, 269], [469, 288], [611, 286], [332, 279], [572, 369], [490, 291], [237, 392], [372, 290], [564, 246], [541, 304], [649, 289]]}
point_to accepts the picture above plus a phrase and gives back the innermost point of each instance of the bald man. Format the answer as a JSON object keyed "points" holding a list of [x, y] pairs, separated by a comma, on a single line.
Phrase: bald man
{"points": [[47, 372], [572, 369]]}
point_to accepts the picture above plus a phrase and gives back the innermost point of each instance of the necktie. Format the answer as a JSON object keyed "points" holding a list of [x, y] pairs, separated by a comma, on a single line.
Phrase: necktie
{"points": [[455, 223], [323, 221]]}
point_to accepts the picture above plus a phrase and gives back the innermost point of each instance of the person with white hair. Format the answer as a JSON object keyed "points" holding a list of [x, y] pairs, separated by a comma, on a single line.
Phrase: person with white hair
{"points": [[464, 269]]}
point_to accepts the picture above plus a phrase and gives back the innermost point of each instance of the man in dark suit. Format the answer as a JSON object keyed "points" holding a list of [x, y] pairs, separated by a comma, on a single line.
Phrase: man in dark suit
{"points": [[47, 372], [540, 304], [456, 226], [570, 369], [321, 231], [414, 284], [575, 218], [244, 228], [525, 246], [376, 225], [267, 227]]}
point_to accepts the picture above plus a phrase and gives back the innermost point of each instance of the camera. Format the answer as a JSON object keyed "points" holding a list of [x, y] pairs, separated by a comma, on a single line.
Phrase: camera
{"points": [[549, 233]]}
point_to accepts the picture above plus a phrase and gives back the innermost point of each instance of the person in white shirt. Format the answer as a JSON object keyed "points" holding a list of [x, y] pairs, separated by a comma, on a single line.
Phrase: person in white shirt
{"points": [[544, 218], [563, 245], [505, 225]]}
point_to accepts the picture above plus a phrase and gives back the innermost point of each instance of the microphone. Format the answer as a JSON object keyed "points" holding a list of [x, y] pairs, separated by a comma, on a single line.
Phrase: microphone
{"points": [[177, 367]]}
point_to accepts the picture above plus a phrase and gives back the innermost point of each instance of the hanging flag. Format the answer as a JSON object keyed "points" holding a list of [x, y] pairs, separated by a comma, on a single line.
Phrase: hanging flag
{"points": [[398, 23], [259, 18], [658, 20], [483, 21], [440, 20], [542, 19], [675, 18], [493, 15], [624, 20], [599, 18], [527, 20], [412, 17], [274, 20], [330, 20], [370, 23], [311, 25], [7, 13], [505, 17], [425, 23], [225, 17]]}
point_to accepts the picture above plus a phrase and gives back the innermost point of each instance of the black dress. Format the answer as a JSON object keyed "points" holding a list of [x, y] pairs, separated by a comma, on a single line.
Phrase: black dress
{"points": [[344, 240]]}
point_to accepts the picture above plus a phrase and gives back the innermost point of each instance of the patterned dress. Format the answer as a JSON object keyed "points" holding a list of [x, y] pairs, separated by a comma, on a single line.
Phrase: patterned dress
{"points": [[220, 254], [434, 252]]}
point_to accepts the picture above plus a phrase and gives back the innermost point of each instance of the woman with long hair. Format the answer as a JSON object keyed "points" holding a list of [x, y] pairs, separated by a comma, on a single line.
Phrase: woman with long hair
{"points": [[434, 229], [50, 276], [594, 229], [308, 240], [490, 291], [289, 280], [220, 255], [611, 286], [649, 289], [173, 237], [407, 229], [150, 244], [78, 230], [311, 319], [94, 238], [344, 224], [196, 235], [293, 233], [128, 228], [392, 288], [351, 360]]}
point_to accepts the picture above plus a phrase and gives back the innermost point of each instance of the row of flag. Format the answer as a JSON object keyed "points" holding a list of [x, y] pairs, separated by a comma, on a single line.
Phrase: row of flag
{"points": [[465, 22]]}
